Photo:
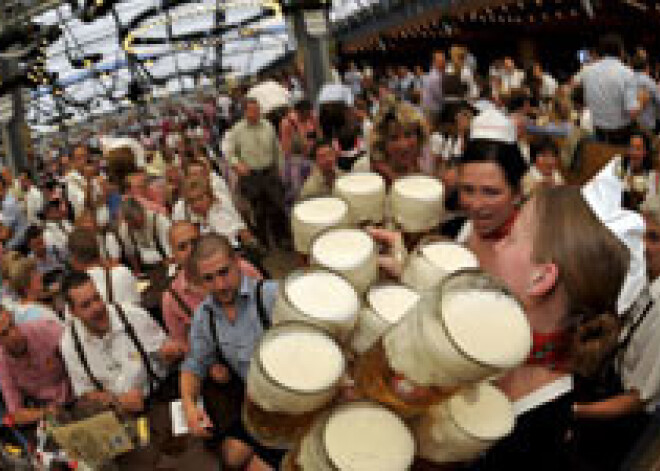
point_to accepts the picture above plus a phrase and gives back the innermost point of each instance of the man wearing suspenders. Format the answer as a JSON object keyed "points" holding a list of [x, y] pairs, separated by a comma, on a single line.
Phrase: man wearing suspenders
{"points": [[143, 235], [226, 328], [116, 355]]}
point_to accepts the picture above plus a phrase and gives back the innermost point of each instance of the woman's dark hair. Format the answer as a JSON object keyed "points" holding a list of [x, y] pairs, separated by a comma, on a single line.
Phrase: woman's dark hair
{"points": [[506, 156], [303, 106], [545, 144], [73, 280], [647, 163], [610, 45], [319, 144], [348, 137], [332, 117]]}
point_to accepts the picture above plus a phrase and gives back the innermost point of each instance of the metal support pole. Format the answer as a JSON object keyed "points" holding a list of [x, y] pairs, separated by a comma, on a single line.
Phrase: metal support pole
{"points": [[220, 18], [12, 126], [310, 29]]}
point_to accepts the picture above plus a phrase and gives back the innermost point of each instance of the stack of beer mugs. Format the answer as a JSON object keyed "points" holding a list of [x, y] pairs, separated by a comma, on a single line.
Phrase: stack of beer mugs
{"points": [[364, 373]]}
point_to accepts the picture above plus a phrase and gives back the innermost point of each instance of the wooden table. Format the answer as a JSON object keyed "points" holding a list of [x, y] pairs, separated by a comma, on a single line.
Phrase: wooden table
{"points": [[166, 452]]}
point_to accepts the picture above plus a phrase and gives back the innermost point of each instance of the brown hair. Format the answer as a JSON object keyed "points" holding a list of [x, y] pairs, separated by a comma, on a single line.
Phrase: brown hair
{"points": [[20, 274], [196, 186], [83, 246], [207, 246], [8, 260], [121, 162], [592, 266]]}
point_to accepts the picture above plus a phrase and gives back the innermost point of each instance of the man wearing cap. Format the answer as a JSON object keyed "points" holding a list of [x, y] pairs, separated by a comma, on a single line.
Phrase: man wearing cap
{"points": [[254, 152], [31, 368]]}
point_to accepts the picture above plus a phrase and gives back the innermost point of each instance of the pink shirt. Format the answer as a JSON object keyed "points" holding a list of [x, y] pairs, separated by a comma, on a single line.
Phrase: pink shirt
{"points": [[41, 373], [176, 317]]}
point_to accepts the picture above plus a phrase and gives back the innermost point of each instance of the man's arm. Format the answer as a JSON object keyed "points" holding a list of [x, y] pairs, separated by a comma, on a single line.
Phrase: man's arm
{"points": [[198, 421], [611, 408]]}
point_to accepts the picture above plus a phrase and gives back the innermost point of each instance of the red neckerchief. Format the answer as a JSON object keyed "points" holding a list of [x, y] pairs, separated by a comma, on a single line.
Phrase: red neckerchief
{"points": [[549, 350], [504, 230]]}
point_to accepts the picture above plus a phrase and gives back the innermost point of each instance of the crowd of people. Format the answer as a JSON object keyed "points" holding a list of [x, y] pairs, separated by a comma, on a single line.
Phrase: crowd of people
{"points": [[135, 259]]}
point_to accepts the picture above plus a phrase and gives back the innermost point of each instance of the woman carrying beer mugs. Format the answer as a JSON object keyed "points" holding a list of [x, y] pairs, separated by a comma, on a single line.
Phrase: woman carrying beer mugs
{"points": [[578, 283]]}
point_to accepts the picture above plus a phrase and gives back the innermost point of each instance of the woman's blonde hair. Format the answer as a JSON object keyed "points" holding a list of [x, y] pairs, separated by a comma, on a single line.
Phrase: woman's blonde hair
{"points": [[592, 265], [396, 114], [8, 259], [20, 274]]}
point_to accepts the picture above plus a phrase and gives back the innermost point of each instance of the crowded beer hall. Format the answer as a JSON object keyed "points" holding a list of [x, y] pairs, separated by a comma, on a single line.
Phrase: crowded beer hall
{"points": [[329, 235]]}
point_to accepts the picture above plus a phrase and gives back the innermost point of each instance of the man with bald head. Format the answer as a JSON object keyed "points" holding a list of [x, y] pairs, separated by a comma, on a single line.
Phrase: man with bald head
{"points": [[31, 368]]}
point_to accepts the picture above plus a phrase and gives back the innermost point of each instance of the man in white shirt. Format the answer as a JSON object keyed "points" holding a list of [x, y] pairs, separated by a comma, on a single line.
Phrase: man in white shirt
{"points": [[197, 169], [144, 235], [548, 83], [33, 198], [511, 77], [56, 228], [210, 214], [115, 283], [74, 180], [116, 355]]}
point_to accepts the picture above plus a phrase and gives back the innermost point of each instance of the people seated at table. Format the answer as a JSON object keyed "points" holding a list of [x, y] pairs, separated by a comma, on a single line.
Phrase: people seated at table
{"points": [[33, 377], [114, 282], [115, 354]]}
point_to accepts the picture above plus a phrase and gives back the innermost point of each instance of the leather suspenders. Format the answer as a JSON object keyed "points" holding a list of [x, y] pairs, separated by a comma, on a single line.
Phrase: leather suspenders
{"points": [[159, 246], [130, 331], [263, 319]]}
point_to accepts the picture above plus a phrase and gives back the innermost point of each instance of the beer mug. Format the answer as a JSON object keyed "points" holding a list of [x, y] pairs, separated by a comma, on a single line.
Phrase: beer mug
{"points": [[432, 260], [294, 372], [465, 426], [417, 203], [320, 298], [386, 304], [357, 436], [365, 195], [467, 330], [349, 252], [311, 216]]}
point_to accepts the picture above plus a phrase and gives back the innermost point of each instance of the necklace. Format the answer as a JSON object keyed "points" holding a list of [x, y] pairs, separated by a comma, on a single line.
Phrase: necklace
{"points": [[549, 350]]}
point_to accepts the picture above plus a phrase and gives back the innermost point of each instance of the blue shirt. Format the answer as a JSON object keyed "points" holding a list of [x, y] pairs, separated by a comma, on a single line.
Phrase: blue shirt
{"points": [[610, 93], [238, 339], [649, 114], [432, 99]]}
